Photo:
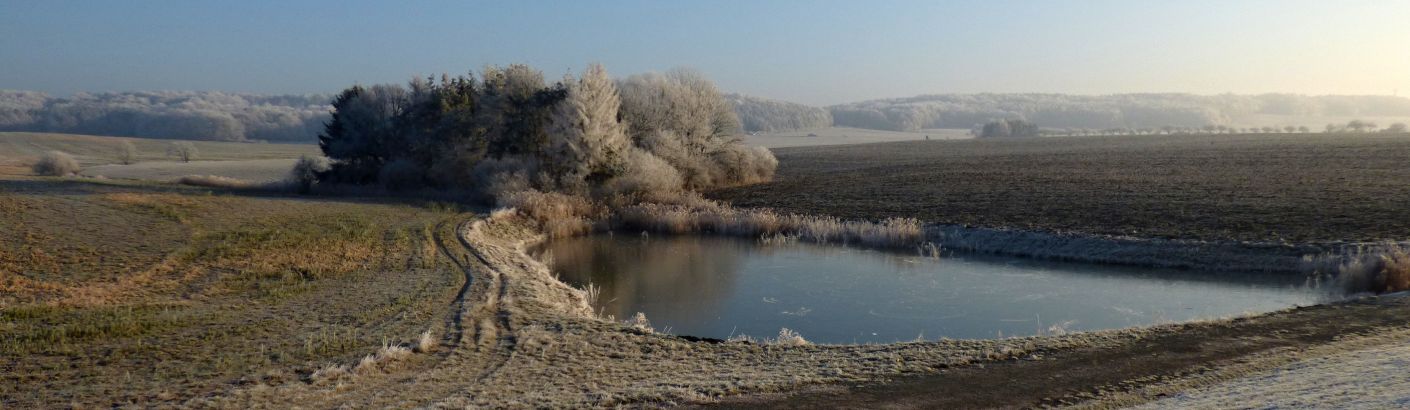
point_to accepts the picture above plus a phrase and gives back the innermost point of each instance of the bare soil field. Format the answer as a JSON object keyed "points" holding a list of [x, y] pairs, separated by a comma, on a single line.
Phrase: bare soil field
{"points": [[1270, 188], [846, 135]]}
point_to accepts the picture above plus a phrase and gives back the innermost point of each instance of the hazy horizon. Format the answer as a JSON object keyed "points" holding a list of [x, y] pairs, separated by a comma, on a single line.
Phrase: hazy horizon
{"points": [[808, 52]]}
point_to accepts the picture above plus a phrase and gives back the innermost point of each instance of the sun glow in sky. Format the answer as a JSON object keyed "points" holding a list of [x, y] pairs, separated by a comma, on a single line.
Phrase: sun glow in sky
{"points": [[818, 52]]}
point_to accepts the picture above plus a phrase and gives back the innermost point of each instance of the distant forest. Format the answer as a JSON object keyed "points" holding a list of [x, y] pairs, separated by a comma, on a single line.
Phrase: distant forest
{"points": [[298, 118], [765, 115], [203, 115], [1101, 111]]}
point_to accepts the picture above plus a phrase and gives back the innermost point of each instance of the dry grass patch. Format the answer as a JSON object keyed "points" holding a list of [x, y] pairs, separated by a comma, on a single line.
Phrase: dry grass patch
{"points": [[224, 299], [173, 206], [1382, 268]]}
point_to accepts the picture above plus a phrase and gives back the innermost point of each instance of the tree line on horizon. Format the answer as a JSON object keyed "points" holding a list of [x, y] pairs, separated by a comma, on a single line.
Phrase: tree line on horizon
{"points": [[1119, 111], [194, 115], [1021, 128], [223, 116]]}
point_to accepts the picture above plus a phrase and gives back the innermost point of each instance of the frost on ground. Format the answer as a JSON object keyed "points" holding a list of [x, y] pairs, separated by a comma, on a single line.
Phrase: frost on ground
{"points": [[1371, 378], [250, 170]]}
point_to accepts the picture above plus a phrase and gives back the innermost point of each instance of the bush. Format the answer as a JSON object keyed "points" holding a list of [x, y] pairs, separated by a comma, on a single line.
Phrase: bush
{"points": [[57, 164], [305, 172], [1382, 270]]}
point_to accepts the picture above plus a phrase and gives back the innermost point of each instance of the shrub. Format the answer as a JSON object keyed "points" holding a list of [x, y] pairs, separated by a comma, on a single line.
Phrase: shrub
{"points": [[1379, 271], [425, 343], [788, 337], [558, 215], [639, 324], [305, 172], [57, 164]]}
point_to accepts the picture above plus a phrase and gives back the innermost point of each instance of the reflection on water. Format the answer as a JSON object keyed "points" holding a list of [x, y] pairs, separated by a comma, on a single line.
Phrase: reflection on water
{"points": [[718, 287]]}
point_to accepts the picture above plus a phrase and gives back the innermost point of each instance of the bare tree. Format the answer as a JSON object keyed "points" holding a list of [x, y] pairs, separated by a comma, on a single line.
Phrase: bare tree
{"points": [[182, 150], [1398, 127], [126, 153]]}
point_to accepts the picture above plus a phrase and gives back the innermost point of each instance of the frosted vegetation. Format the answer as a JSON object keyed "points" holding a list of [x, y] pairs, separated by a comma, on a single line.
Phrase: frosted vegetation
{"points": [[298, 118], [1102, 111], [508, 134], [765, 115], [205, 115]]}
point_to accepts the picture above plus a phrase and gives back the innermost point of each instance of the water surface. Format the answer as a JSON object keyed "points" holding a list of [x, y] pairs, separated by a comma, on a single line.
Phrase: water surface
{"points": [[718, 287]]}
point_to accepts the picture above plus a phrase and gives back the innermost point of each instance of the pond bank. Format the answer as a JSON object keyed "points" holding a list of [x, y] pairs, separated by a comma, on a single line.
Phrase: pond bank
{"points": [[525, 339], [1221, 256]]}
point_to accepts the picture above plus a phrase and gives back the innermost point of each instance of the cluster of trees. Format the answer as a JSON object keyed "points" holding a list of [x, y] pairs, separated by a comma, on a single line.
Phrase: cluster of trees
{"points": [[508, 130], [765, 115], [1353, 126], [1173, 130], [1121, 111], [206, 115], [1366, 126], [1008, 128]]}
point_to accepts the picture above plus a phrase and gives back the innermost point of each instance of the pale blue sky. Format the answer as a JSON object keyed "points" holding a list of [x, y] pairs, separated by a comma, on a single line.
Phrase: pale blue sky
{"points": [[818, 52]]}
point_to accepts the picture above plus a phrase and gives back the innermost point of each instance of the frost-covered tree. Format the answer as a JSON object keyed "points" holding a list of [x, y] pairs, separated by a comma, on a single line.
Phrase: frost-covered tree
{"points": [[588, 142], [205, 115], [1019, 128], [510, 131], [765, 115], [182, 150], [126, 153]]}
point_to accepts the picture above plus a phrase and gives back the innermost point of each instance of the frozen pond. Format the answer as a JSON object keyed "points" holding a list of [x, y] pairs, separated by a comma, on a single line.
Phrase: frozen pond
{"points": [[718, 287]]}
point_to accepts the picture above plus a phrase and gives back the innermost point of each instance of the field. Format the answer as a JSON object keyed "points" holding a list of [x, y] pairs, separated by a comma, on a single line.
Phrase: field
{"points": [[142, 293], [1262, 188], [98, 155], [137, 294], [845, 135]]}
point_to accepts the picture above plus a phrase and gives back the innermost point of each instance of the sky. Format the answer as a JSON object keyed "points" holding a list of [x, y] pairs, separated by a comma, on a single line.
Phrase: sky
{"points": [[816, 52]]}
